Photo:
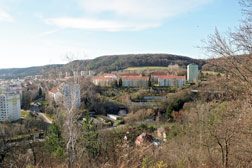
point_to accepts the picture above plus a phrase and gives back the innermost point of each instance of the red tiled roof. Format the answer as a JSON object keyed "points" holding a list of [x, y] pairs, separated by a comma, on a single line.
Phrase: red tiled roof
{"points": [[131, 75], [161, 74], [136, 77], [171, 77]]}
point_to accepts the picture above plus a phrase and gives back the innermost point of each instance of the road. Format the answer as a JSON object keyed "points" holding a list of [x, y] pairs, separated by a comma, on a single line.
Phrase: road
{"points": [[35, 108], [45, 118]]}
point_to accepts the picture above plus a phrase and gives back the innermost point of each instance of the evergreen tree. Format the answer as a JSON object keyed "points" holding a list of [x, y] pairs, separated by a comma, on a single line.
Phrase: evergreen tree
{"points": [[120, 82], [54, 144], [90, 138]]}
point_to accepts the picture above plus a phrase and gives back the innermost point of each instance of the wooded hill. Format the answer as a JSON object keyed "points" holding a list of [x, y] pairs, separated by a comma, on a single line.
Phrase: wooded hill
{"points": [[120, 62], [105, 64], [30, 71]]}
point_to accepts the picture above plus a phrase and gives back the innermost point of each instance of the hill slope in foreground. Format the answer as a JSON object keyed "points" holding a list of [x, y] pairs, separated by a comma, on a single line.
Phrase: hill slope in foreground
{"points": [[105, 64]]}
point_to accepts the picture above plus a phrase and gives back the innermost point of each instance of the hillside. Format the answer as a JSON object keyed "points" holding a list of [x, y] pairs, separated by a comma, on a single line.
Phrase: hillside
{"points": [[105, 64], [120, 62], [22, 72]]}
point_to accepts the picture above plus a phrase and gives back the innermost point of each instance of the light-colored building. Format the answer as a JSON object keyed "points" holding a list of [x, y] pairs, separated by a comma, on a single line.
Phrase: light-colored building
{"points": [[10, 108], [83, 73], [176, 81], [104, 81], [67, 74], [11, 88], [71, 95], [192, 72], [135, 81], [155, 76], [55, 94]]}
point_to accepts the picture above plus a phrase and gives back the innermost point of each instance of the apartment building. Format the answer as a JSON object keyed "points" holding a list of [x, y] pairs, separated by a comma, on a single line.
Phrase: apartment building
{"points": [[10, 108]]}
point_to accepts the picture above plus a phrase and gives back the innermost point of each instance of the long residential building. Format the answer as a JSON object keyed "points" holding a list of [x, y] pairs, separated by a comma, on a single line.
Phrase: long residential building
{"points": [[155, 76], [176, 81], [107, 80], [135, 81]]}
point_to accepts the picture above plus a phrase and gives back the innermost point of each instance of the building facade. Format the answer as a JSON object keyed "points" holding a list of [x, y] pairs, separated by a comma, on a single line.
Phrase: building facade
{"points": [[172, 81], [155, 76], [135, 81], [104, 81], [10, 108], [192, 73], [55, 94]]}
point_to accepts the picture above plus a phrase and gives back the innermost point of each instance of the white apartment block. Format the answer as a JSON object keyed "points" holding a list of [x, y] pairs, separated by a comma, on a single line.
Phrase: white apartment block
{"points": [[10, 108], [11, 88]]}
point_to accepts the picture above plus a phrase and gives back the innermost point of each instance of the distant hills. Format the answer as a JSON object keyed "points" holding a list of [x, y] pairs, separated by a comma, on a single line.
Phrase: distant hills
{"points": [[30, 71], [105, 64]]}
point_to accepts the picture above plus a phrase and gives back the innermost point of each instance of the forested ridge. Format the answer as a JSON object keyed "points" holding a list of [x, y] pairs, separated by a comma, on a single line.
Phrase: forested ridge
{"points": [[105, 64]]}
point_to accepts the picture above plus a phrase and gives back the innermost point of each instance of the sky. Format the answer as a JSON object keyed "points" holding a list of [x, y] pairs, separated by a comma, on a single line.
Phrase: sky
{"points": [[41, 32]]}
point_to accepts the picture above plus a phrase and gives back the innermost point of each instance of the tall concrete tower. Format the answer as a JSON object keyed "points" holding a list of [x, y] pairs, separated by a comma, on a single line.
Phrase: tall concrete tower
{"points": [[192, 72]]}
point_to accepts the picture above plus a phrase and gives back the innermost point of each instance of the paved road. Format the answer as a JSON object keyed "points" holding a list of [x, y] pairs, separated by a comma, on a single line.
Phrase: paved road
{"points": [[46, 119]]}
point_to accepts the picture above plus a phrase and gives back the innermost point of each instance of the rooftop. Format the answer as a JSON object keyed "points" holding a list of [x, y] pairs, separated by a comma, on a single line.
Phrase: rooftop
{"points": [[135, 77], [161, 74], [171, 77]]}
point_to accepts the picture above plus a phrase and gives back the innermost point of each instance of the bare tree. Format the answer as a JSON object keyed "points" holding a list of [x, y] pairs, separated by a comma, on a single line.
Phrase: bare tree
{"points": [[232, 53]]}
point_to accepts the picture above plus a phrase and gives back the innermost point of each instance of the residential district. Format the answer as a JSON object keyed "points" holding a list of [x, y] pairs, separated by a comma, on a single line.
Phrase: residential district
{"points": [[66, 93]]}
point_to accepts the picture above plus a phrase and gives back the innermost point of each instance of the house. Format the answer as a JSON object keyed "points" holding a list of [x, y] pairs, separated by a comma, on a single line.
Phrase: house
{"points": [[55, 94], [135, 81], [155, 76], [177, 81], [104, 81]]}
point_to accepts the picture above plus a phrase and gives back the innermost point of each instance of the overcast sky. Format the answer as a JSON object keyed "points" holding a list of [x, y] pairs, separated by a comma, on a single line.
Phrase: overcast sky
{"points": [[40, 32]]}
